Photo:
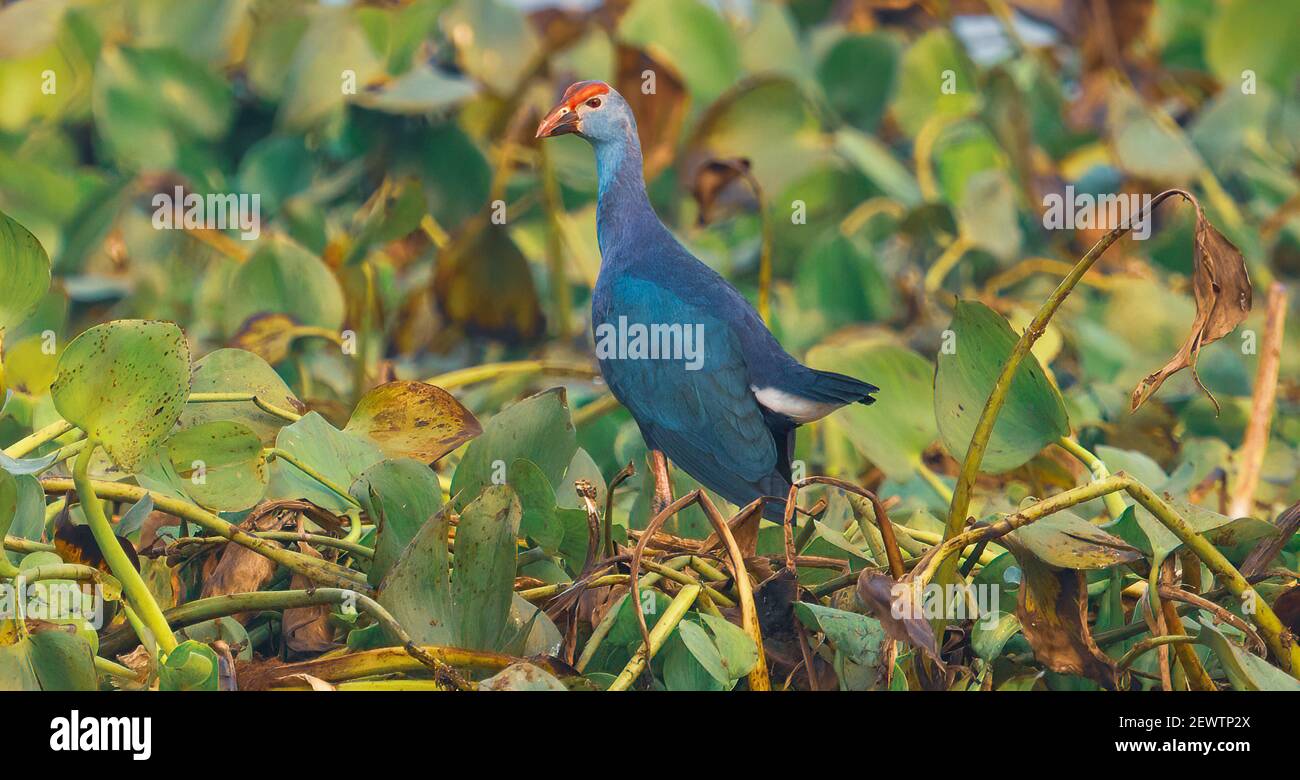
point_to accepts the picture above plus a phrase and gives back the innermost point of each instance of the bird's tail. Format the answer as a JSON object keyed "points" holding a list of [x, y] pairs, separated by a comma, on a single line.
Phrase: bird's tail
{"points": [[838, 388]]}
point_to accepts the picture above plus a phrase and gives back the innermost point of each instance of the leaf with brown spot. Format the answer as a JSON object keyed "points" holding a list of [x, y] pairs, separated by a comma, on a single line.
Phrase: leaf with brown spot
{"points": [[1222, 289], [413, 419]]}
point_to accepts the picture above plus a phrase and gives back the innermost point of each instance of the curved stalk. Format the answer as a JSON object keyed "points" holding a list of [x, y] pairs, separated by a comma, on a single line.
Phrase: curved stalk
{"points": [[266, 406], [1114, 504], [291, 459], [134, 589]]}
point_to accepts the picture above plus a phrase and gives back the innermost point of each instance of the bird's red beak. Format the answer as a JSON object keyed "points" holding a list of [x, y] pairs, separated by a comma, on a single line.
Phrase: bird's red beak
{"points": [[561, 121]]}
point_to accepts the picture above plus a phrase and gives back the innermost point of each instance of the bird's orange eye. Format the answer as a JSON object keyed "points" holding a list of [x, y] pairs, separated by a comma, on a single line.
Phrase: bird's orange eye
{"points": [[593, 103]]}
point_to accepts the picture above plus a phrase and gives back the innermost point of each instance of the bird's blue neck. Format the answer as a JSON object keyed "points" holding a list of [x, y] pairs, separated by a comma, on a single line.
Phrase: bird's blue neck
{"points": [[624, 216]]}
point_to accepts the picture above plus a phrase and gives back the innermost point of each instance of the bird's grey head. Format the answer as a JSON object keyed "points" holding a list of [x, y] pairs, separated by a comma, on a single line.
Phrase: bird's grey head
{"points": [[592, 110]]}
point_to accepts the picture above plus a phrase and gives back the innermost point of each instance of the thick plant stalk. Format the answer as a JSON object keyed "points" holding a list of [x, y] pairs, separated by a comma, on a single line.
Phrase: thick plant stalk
{"points": [[1255, 443], [673, 615], [1114, 504], [390, 660], [133, 587], [316, 570], [35, 439], [473, 374], [988, 417]]}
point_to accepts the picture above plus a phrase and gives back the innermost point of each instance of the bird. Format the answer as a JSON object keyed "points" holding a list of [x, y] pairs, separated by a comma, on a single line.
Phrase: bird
{"points": [[724, 409]]}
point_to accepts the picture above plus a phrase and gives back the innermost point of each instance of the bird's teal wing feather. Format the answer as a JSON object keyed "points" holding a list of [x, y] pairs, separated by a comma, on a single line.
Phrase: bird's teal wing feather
{"points": [[706, 420]]}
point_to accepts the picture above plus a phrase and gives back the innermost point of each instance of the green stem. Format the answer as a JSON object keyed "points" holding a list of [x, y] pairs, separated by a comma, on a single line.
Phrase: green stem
{"points": [[291, 459], [1114, 503], [1151, 643], [134, 588], [658, 635], [313, 569], [352, 548], [114, 669], [30, 442], [988, 416], [936, 484], [266, 406]]}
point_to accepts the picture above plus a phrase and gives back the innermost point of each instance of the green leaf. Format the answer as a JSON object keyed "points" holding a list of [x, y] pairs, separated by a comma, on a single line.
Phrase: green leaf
{"points": [[24, 273], [413, 419], [125, 384], [537, 429], [282, 277], [22, 509], [1245, 672], [150, 105], [332, 49], [857, 75], [702, 649], [421, 90], [49, 660], [192, 666], [417, 589], [400, 496], [1034, 413], [1067, 541], [923, 78], [894, 431], [239, 371], [736, 648], [482, 583], [221, 463], [337, 455]]}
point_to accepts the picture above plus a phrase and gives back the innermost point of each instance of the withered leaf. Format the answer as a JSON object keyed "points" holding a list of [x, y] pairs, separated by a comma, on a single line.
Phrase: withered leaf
{"points": [[659, 115], [898, 608], [268, 336], [1223, 298], [1052, 606]]}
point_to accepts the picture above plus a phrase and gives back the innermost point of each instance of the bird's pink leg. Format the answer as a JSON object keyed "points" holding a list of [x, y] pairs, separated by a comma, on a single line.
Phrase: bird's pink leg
{"points": [[663, 484]]}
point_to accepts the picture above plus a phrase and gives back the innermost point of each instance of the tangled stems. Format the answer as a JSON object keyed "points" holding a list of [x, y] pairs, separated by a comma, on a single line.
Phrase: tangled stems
{"points": [[313, 569], [133, 587], [1275, 634]]}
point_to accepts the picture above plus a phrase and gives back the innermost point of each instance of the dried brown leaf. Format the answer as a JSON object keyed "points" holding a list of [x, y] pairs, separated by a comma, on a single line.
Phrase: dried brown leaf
{"points": [[1223, 298]]}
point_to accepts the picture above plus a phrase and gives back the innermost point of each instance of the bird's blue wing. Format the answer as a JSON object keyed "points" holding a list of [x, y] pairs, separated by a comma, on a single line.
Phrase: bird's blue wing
{"points": [[706, 420]]}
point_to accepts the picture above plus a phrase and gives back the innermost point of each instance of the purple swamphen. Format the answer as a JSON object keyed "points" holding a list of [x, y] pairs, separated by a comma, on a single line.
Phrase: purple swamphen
{"points": [[682, 349]]}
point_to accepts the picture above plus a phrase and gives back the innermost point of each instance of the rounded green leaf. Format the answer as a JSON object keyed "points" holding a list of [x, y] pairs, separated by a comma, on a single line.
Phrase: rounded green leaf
{"points": [[24, 273], [973, 355], [894, 431], [413, 419], [537, 428], [284, 278], [221, 465], [239, 371], [125, 384]]}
